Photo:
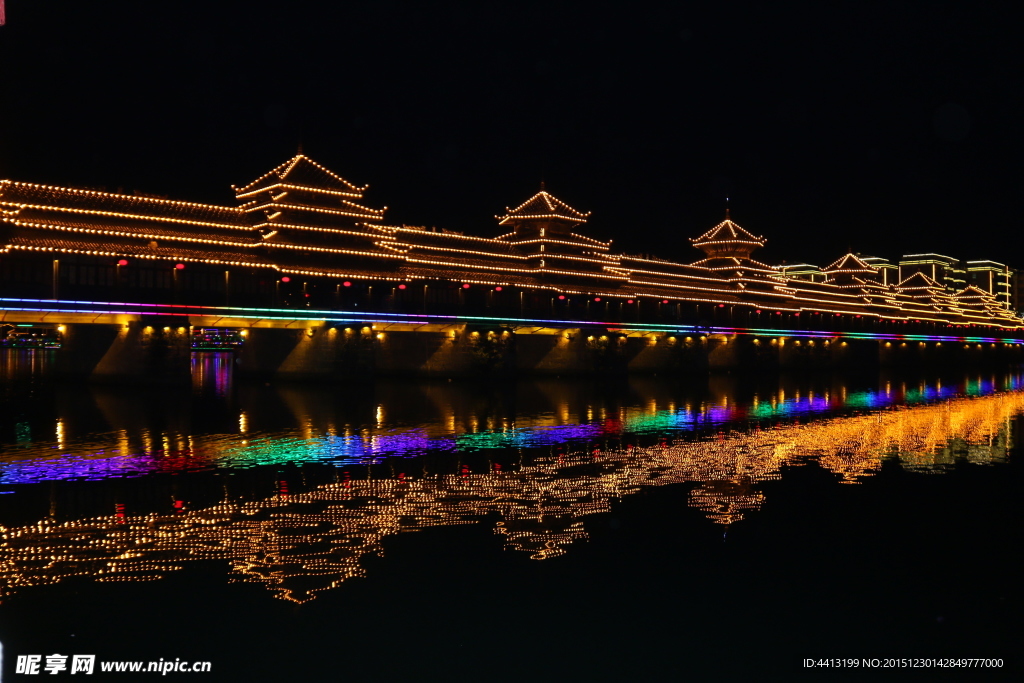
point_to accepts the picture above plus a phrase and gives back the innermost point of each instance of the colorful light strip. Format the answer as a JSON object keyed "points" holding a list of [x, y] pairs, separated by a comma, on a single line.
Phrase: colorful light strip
{"points": [[817, 334], [121, 308], [45, 461]]}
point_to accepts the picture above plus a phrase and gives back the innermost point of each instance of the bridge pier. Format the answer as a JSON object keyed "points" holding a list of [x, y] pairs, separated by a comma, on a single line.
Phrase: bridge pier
{"points": [[458, 351], [303, 353], [662, 352], [142, 351], [552, 354], [934, 353], [802, 353], [325, 352]]}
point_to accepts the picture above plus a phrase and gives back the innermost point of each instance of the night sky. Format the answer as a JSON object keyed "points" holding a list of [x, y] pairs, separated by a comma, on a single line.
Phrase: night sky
{"points": [[886, 128]]}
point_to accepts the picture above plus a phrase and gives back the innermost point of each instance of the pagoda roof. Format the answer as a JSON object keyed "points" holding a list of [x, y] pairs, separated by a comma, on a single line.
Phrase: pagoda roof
{"points": [[112, 229], [103, 205], [975, 293], [301, 171], [866, 284], [726, 232], [919, 281], [973, 290], [850, 263], [470, 272], [746, 264], [543, 206], [112, 248], [317, 215]]}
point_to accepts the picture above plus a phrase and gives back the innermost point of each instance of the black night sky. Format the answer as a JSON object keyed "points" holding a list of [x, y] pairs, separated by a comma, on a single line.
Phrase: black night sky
{"points": [[888, 128]]}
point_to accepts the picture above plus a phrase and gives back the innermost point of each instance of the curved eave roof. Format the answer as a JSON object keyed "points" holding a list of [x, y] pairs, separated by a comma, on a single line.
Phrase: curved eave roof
{"points": [[31, 196], [727, 232], [543, 206], [148, 231], [919, 280], [302, 171], [106, 248], [736, 263], [849, 263]]}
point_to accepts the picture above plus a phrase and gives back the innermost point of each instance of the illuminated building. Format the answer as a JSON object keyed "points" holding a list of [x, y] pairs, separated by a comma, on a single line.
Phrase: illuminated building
{"points": [[994, 278], [302, 236], [802, 271], [887, 271], [943, 269]]}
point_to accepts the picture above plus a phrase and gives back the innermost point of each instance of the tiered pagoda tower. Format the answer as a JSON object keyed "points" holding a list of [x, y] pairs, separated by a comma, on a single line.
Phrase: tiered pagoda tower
{"points": [[301, 208], [726, 244], [543, 230], [727, 248]]}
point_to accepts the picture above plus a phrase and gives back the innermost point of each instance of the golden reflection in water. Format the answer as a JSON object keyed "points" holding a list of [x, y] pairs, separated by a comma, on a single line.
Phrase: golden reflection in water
{"points": [[303, 543]]}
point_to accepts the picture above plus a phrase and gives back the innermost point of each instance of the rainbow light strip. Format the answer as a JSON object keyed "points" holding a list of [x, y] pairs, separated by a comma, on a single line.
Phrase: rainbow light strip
{"points": [[357, 317], [45, 461]]}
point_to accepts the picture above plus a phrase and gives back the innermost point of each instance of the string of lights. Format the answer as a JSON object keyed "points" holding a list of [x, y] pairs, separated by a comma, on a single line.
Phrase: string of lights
{"points": [[303, 219], [347, 316]]}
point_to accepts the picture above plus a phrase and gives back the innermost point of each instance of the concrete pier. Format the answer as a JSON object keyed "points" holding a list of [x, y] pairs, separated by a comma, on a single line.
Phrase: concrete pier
{"points": [[142, 351]]}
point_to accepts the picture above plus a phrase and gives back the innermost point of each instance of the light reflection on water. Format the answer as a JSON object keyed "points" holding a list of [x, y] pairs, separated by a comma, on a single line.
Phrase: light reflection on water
{"points": [[299, 543], [212, 372], [540, 457], [151, 433]]}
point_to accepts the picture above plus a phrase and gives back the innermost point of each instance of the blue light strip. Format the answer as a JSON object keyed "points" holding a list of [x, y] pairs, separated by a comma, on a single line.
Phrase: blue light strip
{"points": [[360, 317]]}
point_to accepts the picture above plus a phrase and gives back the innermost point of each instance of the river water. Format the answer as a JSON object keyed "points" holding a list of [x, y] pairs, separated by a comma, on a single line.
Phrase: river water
{"points": [[644, 527]]}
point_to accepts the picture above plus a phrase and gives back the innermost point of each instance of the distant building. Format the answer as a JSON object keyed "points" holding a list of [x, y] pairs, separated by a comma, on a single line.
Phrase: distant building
{"points": [[943, 269], [1015, 292], [888, 272], [803, 271], [995, 278]]}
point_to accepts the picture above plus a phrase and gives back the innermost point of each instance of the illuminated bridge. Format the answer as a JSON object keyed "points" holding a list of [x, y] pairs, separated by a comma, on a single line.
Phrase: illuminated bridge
{"points": [[310, 282]]}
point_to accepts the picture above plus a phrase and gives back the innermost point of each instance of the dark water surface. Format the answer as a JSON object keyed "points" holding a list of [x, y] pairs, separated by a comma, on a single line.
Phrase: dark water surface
{"points": [[680, 529]]}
